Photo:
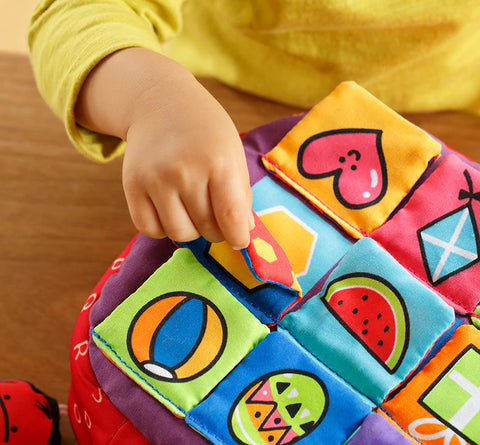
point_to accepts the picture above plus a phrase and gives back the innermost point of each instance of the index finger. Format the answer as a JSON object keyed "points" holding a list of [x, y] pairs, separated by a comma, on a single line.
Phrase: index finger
{"points": [[231, 200]]}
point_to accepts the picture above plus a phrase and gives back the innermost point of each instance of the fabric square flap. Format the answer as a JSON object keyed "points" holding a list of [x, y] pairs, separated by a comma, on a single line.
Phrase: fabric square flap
{"points": [[441, 404], [373, 322], [353, 158], [179, 334], [436, 233], [260, 276], [280, 395], [312, 244]]}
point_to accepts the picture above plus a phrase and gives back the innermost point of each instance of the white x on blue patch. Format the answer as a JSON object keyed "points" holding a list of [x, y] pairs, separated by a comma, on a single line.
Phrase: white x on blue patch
{"points": [[449, 244]]}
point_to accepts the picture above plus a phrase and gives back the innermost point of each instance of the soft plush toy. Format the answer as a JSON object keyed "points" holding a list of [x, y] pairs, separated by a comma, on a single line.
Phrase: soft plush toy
{"points": [[27, 415], [348, 319]]}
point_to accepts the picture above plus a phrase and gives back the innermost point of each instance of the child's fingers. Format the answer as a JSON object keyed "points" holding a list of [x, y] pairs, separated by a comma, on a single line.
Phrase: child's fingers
{"points": [[174, 218], [200, 210], [232, 207], [144, 215]]}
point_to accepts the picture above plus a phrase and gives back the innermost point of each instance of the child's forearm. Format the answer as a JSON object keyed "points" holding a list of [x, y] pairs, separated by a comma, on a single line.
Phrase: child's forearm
{"points": [[127, 85]]}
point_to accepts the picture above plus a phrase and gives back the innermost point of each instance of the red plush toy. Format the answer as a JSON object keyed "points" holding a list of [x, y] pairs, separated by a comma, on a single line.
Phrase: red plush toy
{"points": [[27, 415]]}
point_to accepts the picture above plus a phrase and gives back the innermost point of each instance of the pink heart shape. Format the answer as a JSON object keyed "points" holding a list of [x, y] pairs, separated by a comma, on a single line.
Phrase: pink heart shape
{"points": [[354, 157]]}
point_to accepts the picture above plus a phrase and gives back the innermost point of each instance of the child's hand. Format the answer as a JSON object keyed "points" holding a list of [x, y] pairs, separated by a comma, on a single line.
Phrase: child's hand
{"points": [[184, 171]]}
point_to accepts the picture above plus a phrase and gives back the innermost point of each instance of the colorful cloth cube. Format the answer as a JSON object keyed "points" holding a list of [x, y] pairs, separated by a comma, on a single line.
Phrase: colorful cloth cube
{"points": [[349, 319]]}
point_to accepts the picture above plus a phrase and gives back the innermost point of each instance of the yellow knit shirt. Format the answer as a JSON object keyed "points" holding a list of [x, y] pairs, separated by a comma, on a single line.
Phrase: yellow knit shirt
{"points": [[413, 55]]}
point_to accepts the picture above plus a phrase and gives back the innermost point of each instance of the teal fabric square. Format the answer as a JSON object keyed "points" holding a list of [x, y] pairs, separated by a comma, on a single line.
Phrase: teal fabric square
{"points": [[313, 245], [373, 322], [179, 334]]}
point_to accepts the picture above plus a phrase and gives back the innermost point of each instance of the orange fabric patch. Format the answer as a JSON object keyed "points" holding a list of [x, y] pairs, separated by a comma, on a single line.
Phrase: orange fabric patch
{"points": [[294, 236], [353, 158], [234, 263], [441, 403]]}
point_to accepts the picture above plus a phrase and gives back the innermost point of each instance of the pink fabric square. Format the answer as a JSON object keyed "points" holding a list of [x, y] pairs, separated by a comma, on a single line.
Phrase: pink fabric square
{"points": [[436, 235]]}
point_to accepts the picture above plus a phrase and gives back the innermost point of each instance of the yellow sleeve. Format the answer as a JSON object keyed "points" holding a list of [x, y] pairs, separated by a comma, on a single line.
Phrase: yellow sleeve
{"points": [[67, 38]]}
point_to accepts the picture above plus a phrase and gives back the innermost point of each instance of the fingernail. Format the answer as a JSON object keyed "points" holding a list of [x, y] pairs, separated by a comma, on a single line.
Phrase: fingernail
{"points": [[251, 221]]}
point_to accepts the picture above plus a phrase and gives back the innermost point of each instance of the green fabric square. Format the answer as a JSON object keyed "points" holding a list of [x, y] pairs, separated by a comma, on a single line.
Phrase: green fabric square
{"points": [[179, 334], [454, 398]]}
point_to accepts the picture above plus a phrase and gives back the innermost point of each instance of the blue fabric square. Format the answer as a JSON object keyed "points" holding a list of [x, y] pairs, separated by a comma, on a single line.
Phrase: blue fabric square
{"points": [[373, 322], [280, 394], [322, 245]]}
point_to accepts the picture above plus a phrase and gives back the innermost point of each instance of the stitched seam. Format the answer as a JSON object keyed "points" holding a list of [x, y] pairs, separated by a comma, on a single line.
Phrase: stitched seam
{"points": [[134, 371], [268, 161], [422, 280], [276, 166], [117, 430], [241, 298], [318, 360], [378, 406]]}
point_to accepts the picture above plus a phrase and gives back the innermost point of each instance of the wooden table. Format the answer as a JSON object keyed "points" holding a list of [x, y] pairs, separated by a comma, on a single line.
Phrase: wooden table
{"points": [[63, 220]]}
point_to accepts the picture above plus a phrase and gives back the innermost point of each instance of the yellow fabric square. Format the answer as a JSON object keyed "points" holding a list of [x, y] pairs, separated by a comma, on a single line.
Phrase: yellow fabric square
{"points": [[353, 158]]}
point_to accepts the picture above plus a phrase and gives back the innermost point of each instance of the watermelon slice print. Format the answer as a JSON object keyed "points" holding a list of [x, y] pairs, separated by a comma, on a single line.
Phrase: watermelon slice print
{"points": [[355, 159], [373, 311]]}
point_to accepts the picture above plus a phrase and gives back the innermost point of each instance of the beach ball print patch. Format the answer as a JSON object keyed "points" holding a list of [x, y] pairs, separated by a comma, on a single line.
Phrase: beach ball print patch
{"points": [[160, 352], [279, 408], [179, 338]]}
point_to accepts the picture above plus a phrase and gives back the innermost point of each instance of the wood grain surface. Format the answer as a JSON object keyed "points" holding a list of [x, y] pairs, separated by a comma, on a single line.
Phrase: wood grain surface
{"points": [[63, 219]]}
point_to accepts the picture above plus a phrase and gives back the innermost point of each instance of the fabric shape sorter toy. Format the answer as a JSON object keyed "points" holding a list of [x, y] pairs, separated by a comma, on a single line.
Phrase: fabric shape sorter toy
{"points": [[351, 317]]}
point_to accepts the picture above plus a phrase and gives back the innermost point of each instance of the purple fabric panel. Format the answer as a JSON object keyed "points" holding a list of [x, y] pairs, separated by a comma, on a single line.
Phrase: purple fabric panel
{"points": [[262, 140], [155, 421], [375, 430], [146, 256]]}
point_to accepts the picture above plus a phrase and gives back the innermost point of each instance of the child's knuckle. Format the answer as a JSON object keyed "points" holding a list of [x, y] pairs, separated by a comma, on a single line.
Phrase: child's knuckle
{"points": [[231, 214]]}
